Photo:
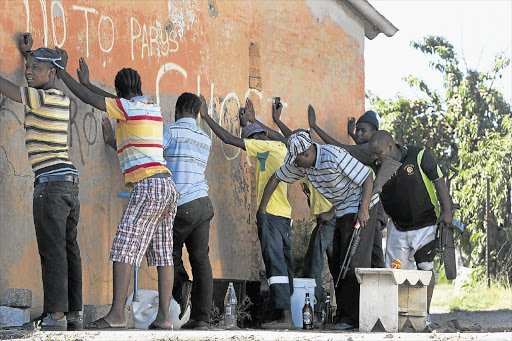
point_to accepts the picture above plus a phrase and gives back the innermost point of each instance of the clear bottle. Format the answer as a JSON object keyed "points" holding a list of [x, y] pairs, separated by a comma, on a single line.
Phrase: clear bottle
{"points": [[307, 314], [326, 312], [230, 308]]}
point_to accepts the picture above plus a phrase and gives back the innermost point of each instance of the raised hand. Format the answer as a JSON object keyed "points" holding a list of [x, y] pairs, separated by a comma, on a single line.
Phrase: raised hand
{"points": [[311, 116], [204, 107], [26, 42], [249, 111], [276, 111], [64, 56], [351, 125], [83, 72]]}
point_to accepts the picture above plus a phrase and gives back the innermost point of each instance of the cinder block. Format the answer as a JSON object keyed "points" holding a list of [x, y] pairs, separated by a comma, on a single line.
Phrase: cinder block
{"points": [[17, 298], [13, 317], [94, 312]]}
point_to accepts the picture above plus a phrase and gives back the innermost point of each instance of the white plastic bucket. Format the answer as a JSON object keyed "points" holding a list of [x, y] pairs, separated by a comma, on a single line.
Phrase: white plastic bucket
{"points": [[300, 287], [146, 309]]}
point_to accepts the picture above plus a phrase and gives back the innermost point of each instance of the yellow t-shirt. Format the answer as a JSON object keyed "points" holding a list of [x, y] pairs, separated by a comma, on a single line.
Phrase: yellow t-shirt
{"points": [[318, 203], [270, 155]]}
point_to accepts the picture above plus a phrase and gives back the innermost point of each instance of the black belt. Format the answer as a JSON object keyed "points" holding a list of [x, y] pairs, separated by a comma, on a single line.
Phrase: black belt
{"points": [[52, 178]]}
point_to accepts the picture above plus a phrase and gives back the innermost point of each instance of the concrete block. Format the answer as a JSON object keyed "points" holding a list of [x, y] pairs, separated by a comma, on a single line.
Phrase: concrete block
{"points": [[17, 298], [13, 317], [94, 312]]}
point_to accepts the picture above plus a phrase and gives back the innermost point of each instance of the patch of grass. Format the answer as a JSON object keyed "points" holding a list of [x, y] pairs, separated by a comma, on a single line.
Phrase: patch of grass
{"points": [[473, 296], [479, 297]]}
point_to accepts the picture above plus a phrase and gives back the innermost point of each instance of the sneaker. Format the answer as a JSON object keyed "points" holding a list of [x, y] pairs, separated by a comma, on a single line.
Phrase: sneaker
{"points": [[186, 289], [48, 323], [196, 325], [76, 323]]}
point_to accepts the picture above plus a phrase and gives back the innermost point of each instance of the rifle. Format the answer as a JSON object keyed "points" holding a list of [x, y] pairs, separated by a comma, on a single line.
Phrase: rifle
{"points": [[445, 236], [351, 250]]}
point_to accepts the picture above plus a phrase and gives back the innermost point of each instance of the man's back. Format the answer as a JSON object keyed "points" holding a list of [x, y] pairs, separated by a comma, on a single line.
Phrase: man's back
{"points": [[186, 151]]}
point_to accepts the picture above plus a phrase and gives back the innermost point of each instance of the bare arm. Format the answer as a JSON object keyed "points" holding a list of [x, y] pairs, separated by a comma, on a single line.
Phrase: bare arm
{"points": [[444, 199], [323, 135], [351, 128], [276, 116], [79, 90], [108, 133], [271, 186], [222, 133], [83, 77], [10, 89], [272, 134], [363, 214]]}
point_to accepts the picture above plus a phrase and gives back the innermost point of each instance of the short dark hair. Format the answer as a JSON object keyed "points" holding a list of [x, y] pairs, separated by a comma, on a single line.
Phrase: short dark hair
{"points": [[381, 137], [188, 104], [128, 81]]}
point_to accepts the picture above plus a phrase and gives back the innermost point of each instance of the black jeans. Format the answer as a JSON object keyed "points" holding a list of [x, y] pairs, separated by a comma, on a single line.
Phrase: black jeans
{"points": [[192, 228], [319, 243], [275, 237], [347, 292], [56, 211]]}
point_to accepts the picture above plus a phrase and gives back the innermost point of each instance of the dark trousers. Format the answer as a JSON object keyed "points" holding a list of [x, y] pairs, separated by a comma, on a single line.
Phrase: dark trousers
{"points": [[192, 228], [380, 224], [56, 211], [275, 234], [347, 292], [319, 243]]}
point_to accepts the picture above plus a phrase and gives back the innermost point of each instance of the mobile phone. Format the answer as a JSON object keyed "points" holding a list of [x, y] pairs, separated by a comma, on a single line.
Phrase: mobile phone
{"points": [[277, 101]]}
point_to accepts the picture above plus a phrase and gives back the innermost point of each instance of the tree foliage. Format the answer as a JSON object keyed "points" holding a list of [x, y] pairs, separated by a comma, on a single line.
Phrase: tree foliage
{"points": [[468, 125]]}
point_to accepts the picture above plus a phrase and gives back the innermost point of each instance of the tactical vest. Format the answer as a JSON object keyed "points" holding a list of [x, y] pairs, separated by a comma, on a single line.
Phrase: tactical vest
{"points": [[409, 197]]}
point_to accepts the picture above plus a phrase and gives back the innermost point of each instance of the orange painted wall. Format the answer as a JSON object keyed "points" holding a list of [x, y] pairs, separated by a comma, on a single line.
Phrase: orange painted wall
{"points": [[305, 57]]}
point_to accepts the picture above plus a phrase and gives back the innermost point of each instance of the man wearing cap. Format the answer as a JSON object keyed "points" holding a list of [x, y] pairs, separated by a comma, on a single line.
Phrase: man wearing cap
{"points": [[274, 226], [347, 184], [364, 129], [56, 206]]}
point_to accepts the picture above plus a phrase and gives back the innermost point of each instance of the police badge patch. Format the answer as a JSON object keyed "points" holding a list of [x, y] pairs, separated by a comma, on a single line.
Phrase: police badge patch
{"points": [[409, 169]]}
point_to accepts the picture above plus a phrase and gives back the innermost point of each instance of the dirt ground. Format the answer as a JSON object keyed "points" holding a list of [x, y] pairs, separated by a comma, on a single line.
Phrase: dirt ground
{"points": [[477, 321]]}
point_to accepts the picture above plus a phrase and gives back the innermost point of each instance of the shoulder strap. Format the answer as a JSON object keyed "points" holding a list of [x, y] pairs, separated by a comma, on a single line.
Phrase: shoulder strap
{"points": [[429, 185]]}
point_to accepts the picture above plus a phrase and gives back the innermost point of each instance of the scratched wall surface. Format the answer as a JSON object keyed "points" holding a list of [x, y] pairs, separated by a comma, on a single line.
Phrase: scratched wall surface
{"points": [[303, 51]]}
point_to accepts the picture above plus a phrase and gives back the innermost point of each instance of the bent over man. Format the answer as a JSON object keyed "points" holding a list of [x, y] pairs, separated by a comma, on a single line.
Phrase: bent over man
{"points": [[411, 199]]}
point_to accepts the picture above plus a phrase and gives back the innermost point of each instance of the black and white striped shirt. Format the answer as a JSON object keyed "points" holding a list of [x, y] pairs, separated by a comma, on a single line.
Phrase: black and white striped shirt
{"points": [[336, 175]]}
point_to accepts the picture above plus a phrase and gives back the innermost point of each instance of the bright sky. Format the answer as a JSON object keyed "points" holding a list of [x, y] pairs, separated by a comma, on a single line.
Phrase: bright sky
{"points": [[478, 29]]}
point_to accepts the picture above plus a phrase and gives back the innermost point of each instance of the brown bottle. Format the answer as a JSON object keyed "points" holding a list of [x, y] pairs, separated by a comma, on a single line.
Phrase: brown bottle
{"points": [[307, 314]]}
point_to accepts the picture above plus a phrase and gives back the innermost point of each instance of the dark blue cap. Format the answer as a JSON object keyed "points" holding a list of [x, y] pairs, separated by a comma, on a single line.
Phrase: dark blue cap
{"points": [[370, 117], [48, 55]]}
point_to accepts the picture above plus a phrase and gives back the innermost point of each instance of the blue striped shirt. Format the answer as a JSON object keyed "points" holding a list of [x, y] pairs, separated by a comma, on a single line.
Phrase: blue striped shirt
{"points": [[186, 150]]}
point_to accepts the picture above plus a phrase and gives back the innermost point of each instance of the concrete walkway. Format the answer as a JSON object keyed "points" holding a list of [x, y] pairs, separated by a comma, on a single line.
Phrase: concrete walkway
{"points": [[245, 335]]}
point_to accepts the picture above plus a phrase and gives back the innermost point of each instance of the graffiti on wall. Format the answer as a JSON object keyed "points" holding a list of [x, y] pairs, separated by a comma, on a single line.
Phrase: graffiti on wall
{"points": [[158, 40]]}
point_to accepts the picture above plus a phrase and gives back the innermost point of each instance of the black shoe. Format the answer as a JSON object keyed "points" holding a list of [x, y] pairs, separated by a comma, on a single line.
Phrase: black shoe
{"points": [[196, 325], [76, 323], [48, 323], [186, 289]]}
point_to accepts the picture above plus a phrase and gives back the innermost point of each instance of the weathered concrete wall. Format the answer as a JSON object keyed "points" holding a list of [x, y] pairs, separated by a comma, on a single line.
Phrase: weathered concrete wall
{"points": [[305, 52]]}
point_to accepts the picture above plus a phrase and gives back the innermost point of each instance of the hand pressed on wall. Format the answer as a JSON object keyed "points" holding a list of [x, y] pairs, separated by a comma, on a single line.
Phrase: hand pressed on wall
{"points": [[311, 116], [83, 72], [25, 43]]}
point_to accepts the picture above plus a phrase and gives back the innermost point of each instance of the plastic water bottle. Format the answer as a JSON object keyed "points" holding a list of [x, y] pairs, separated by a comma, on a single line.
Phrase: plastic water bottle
{"points": [[230, 308]]}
